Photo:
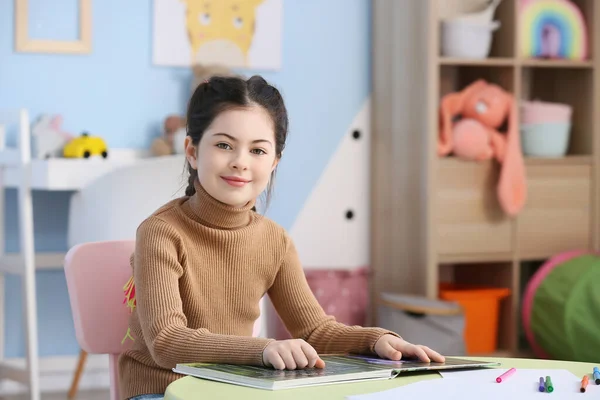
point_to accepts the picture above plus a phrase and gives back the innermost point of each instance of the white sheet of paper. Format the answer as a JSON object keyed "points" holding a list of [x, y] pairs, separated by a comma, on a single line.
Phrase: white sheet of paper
{"points": [[490, 374], [481, 384]]}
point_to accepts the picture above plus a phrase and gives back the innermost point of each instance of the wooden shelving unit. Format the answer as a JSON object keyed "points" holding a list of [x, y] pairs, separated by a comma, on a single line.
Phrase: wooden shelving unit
{"points": [[457, 230]]}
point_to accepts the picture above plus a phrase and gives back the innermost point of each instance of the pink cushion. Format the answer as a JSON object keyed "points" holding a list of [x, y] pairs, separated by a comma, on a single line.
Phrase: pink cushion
{"points": [[96, 273], [343, 294]]}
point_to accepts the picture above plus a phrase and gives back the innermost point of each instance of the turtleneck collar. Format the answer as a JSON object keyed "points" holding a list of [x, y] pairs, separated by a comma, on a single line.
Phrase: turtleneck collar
{"points": [[210, 211]]}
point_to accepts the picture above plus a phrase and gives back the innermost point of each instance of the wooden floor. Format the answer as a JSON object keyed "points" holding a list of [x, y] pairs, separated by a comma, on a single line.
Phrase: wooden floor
{"points": [[82, 395]]}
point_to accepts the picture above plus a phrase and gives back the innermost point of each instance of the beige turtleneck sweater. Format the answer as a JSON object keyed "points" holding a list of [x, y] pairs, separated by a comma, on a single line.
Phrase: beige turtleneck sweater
{"points": [[200, 268]]}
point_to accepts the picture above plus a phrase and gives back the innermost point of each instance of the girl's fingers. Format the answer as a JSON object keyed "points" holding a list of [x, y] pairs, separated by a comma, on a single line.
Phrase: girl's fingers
{"points": [[421, 354], [434, 355], [310, 353], [288, 359], [320, 364], [392, 353], [276, 361], [299, 357]]}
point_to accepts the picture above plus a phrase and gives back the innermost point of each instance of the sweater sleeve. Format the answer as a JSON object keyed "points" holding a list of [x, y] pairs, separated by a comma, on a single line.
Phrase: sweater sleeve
{"points": [[304, 317], [157, 269]]}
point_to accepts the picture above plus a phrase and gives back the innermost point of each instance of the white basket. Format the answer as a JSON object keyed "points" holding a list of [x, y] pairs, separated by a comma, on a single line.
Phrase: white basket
{"points": [[467, 39]]}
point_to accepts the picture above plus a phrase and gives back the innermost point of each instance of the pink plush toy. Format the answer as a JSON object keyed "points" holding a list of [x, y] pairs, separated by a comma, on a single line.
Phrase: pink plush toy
{"points": [[470, 123], [474, 142]]}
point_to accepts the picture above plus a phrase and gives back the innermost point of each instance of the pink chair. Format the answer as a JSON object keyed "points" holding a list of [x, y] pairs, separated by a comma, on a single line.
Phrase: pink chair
{"points": [[96, 273]]}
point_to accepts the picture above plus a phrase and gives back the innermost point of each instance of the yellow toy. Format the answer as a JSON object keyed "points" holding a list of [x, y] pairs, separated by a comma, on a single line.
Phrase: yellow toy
{"points": [[85, 146]]}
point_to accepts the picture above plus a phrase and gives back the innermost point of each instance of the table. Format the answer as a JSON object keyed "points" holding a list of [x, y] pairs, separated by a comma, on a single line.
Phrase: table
{"points": [[190, 387], [69, 174]]}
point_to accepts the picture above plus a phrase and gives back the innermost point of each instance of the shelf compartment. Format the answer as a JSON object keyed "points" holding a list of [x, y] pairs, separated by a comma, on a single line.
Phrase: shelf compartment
{"points": [[454, 78], [557, 215], [503, 42], [469, 219], [492, 275], [503, 38], [572, 86]]}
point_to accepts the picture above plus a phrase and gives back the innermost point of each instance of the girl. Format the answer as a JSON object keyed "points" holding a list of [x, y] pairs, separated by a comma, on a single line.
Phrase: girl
{"points": [[203, 262]]}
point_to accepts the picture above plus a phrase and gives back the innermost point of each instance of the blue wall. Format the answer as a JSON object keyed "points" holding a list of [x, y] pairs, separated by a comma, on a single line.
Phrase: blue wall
{"points": [[117, 93]]}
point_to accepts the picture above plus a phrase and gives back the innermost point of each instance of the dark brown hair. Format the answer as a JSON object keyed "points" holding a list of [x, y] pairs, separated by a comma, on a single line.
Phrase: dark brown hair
{"points": [[222, 93]]}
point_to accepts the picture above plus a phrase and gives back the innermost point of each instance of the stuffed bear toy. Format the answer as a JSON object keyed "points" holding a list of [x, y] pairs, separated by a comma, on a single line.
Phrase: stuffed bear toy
{"points": [[174, 126]]}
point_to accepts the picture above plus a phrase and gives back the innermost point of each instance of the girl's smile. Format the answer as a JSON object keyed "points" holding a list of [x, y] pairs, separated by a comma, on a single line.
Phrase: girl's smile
{"points": [[235, 181]]}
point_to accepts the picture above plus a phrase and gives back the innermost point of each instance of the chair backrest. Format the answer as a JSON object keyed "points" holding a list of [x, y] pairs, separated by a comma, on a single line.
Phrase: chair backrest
{"points": [[96, 273], [112, 206]]}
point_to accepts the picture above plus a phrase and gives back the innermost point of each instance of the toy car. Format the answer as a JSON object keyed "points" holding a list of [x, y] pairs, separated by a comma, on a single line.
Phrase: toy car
{"points": [[85, 146]]}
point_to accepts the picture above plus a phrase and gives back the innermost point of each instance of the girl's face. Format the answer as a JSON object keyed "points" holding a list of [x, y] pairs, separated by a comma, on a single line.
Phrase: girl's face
{"points": [[236, 155]]}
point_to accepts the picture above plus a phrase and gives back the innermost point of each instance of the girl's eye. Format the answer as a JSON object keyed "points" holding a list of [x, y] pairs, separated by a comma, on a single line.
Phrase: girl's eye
{"points": [[238, 22], [204, 18], [259, 151], [223, 146]]}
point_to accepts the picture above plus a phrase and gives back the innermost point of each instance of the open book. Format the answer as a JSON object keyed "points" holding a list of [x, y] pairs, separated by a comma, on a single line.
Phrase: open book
{"points": [[338, 369]]}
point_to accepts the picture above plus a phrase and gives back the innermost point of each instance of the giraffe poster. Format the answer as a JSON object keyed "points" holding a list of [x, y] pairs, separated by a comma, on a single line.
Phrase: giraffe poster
{"points": [[232, 33]]}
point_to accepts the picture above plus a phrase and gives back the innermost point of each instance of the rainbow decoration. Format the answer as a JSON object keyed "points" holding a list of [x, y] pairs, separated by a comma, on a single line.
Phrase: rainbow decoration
{"points": [[552, 29]]}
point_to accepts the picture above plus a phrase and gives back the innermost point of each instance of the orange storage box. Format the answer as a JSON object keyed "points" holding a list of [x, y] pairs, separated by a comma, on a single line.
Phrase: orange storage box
{"points": [[481, 307]]}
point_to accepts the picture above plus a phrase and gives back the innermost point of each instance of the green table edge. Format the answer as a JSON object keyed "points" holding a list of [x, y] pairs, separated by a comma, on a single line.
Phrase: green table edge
{"points": [[188, 388]]}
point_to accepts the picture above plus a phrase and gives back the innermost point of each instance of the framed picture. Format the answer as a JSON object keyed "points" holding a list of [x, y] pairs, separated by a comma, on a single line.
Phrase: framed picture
{"points": [[23, 43], [230, 33]]}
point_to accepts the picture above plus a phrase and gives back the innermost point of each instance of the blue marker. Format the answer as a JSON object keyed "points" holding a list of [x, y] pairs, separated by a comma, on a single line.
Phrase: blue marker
{"points": [[542, 385], [597, 375]]}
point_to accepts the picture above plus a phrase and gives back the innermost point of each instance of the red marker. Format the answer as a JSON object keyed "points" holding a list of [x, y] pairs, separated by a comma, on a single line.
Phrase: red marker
{"points": [[505, 375]]}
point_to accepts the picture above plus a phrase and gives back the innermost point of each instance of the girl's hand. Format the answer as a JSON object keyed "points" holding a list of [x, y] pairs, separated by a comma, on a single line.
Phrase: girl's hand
{"points": [[393, 348], [291, 354]]}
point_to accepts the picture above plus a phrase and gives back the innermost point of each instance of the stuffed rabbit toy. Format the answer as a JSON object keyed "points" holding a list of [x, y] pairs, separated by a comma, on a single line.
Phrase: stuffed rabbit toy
{"points": [[49, 138], [483, 108]]}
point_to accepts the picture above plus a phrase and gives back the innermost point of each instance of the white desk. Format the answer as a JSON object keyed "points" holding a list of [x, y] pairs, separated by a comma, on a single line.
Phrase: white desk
{"points": [[62, 174], [70, 174]]}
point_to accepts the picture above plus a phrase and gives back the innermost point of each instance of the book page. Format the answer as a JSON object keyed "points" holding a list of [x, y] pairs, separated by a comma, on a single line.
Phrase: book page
{"points": [[334, 366]]}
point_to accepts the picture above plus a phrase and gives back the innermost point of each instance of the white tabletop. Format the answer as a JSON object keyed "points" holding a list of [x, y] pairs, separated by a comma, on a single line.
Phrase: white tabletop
{"points": [[67, 173]]}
